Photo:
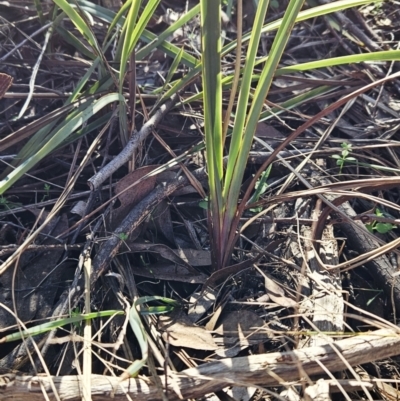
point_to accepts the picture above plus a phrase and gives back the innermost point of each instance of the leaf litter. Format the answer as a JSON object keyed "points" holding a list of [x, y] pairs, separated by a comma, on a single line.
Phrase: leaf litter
{"points": [[259, 303]]}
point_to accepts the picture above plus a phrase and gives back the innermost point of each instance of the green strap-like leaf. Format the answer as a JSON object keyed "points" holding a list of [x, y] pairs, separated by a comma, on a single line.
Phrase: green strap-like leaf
{"points": [[61, 135], [55, 324], [79, 22]]}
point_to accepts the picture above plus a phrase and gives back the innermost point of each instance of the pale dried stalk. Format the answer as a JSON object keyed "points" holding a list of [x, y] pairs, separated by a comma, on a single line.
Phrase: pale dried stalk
{"points": [[196, 382]]}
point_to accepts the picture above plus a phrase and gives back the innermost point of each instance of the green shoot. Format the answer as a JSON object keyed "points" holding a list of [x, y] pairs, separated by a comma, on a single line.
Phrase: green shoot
{"points": [[225, 184], [260, 188], [55, 324], [344, 156], [47, 194], [380, 227], [369, 302], [7, 205], [204, 203], [123, 236]]}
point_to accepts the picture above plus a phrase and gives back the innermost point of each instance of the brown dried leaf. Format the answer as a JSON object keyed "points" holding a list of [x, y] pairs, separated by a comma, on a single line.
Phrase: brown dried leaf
{"points": [[163, 222], [277, 294], [200, 303], [181, 332], [163, 250], [167, 271], [195, 257], [5, 83], [134, 195], [239, 329], [242, 325], [223, 274], [138, 192]]}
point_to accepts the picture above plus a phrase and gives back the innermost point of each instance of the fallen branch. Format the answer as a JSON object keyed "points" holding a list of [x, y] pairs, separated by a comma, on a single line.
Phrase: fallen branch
{"points": [[262, 370], [136, 140]]}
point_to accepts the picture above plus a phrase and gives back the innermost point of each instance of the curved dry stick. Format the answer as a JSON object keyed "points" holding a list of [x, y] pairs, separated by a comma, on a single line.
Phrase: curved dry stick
{"points": [[137, 138]]}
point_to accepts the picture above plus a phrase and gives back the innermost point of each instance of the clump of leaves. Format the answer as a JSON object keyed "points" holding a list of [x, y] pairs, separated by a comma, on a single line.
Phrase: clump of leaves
{"points": [[380, 227], [226, 205], [344, 156], [225, 183]]}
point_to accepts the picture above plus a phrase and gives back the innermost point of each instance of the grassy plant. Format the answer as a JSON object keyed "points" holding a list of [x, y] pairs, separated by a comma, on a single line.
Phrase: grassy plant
{"points": [[134, 321], [131, 20], [103, 87], [127, 27], [225, 185]]}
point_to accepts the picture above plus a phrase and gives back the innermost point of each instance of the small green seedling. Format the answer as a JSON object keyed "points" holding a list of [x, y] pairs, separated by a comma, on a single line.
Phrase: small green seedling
{"points": [[6, 204], [47, 189], [123, 236], [260, 188], [344, 156], [380, 227], [204, 203]]}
